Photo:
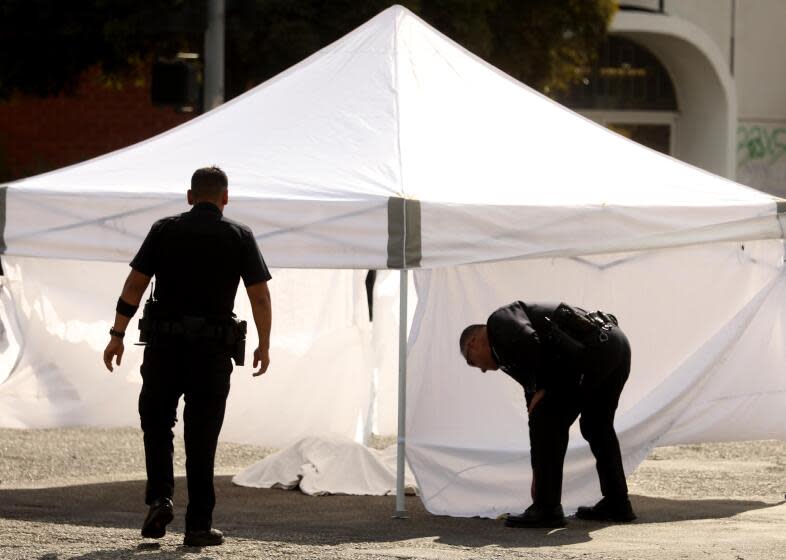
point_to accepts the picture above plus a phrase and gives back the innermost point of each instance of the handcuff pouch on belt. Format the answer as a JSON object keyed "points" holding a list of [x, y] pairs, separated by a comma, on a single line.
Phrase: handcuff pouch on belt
{"points": [[152, 326], [572, 329]]}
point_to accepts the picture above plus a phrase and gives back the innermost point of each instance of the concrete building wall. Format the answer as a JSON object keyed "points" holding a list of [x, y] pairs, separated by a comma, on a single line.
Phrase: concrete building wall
{"points": [[760, 59], [706, 96], [760, 75], [713, 16]]}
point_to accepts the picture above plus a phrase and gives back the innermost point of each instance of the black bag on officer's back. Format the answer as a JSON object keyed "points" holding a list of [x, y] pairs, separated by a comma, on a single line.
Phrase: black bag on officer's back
{"points": [[573, 329], [573, 320]]}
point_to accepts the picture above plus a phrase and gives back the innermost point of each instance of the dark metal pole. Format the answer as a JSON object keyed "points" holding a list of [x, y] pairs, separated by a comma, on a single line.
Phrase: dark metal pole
{"points": [[214, 55], [401, 504]]}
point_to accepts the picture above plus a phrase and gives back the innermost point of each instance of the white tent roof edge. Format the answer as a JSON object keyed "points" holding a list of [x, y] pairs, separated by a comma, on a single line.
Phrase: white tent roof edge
{"points": [[404, 239], [375, 128]]}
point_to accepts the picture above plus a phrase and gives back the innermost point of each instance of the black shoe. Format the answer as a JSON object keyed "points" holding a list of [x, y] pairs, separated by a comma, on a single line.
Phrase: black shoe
{"points": [[535, 516], [158, 517], [619, 511], [211, 537]]}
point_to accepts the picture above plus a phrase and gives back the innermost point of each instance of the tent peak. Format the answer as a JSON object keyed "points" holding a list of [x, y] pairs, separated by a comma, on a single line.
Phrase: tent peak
{"points": [[396, 14], [397, 9]]}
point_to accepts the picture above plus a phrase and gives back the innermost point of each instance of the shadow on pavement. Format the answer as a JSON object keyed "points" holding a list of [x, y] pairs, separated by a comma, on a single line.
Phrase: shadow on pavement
{"points": [[292, 517]]}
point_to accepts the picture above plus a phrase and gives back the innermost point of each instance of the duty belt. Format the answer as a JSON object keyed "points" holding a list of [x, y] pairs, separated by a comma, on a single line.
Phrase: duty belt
{"points": [[198, 327]]}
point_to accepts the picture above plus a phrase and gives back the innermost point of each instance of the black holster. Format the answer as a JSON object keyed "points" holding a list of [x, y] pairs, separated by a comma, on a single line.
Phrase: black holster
{"points": [[150, 313], [239, 345]]}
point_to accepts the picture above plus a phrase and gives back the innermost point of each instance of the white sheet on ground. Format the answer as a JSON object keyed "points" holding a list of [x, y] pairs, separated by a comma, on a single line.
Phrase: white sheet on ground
{"points": [[331, 464]]}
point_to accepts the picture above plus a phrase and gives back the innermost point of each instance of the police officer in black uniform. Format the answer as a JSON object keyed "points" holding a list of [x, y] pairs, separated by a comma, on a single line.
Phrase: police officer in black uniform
{"points": [[198, 259], [570, 363]]}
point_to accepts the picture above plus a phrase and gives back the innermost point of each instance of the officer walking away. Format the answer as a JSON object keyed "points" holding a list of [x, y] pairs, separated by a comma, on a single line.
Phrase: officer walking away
{"points": [[191, 335], [570, 363]]}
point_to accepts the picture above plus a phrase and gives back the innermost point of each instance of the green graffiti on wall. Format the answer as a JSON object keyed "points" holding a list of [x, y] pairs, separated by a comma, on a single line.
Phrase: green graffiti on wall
{"points": [[760, 143]]}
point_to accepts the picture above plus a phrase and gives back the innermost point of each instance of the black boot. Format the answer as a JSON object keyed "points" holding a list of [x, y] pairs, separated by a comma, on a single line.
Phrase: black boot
{"points": [[536, 516], [209, 537], [158, 517], [619, 511]]}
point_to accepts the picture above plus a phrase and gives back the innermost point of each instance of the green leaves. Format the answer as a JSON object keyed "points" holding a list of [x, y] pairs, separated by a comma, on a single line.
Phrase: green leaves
{"points": [[45, 45]]}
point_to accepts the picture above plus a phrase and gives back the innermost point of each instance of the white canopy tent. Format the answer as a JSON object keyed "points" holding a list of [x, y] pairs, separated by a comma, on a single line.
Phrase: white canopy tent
{"points": [[396, 148]]}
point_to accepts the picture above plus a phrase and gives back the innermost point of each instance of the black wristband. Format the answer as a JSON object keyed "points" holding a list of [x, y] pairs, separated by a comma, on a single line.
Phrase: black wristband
{"points": [[125, 309], [118, 334]]}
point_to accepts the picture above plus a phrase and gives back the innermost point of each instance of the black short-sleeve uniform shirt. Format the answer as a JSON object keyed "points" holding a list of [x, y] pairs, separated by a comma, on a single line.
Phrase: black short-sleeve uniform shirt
{"points": [[515, 333], [198, 259]]}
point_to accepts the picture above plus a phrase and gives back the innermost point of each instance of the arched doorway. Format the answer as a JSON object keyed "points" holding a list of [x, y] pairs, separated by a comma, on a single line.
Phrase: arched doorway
{"points": [[705, 134], [629, 91]]}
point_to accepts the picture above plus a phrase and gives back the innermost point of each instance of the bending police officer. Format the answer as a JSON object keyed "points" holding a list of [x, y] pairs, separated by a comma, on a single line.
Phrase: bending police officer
{"points": [[198, 259], [571, 363]]}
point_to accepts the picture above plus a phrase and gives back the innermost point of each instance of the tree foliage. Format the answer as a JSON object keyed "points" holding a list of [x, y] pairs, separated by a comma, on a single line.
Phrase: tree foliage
{"points": [[540, 42], [46, 44]]}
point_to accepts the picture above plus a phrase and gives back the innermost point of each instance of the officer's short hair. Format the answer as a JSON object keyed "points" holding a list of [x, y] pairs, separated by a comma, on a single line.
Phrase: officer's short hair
{"points": [[208, 182], [466, 335]]}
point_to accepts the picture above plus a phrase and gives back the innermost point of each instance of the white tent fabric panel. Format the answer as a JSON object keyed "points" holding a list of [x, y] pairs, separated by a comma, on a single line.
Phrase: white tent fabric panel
{"points": [[324, 130], [471, 134], [685, 312], [11, 345], [499, 233], [503, 172], [111, 228], [394, 148], [321, 350], [394, 109], [385, 344], [311, 155]]}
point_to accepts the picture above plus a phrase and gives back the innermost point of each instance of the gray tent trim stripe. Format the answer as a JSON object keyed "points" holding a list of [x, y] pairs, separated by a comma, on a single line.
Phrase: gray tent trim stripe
{"points": [[404, 247]]}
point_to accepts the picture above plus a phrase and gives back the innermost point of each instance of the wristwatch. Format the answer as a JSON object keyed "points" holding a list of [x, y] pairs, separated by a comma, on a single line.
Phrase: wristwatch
{"points": [[118, 334]]}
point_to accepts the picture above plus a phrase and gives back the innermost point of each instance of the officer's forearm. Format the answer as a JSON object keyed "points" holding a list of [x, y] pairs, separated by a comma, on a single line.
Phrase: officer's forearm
{"points": [[134, 287], [121, 322], [133, 290], [262, 310]]}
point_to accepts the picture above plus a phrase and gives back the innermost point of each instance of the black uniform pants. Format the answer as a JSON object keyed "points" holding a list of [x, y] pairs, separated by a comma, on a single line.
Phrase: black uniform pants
{"points": [[605, 370], [199, 372]]}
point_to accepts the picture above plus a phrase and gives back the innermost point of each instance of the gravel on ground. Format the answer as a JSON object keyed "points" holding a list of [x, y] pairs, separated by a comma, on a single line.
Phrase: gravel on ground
{"points": [[75, 493]]}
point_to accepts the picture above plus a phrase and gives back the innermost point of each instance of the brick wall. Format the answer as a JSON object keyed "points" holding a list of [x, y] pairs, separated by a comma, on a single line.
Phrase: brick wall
{"points": [[38, 135]]}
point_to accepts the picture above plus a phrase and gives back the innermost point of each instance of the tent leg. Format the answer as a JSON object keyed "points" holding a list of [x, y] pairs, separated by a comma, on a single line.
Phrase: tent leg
{"points": [[401, 506]]}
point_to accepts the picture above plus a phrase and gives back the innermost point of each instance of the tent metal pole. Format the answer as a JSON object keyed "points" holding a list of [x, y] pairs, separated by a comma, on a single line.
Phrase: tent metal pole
{"points": [[401, 506]]}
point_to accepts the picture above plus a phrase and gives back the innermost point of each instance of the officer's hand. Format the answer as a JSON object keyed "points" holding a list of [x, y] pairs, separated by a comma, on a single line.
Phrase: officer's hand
{"points": [[536, 398], [261, 357], [113, 349]]}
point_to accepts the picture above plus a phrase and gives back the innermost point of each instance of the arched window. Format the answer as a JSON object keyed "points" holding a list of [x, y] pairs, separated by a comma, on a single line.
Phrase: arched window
{"points": [[625, 77]]}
